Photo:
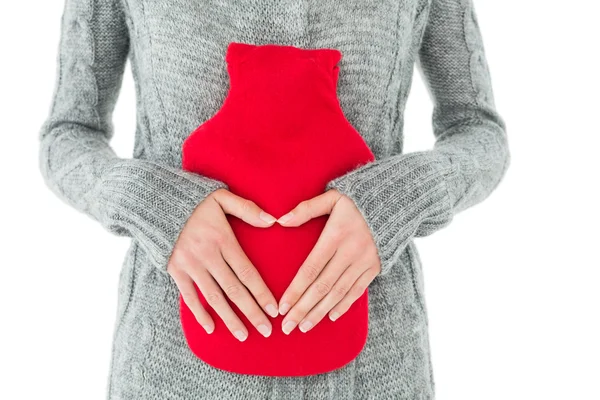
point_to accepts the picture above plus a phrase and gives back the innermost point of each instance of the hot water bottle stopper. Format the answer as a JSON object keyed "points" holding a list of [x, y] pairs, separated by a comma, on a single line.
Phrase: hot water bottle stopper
{"points": [[279, 137]]}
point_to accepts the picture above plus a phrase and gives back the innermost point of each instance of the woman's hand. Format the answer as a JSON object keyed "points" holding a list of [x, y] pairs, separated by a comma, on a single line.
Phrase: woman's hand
{"points": [[339, 268], [205, 247]]}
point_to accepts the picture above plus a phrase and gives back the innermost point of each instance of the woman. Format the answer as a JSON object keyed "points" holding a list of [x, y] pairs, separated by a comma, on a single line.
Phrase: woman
{"points": [[176, 52]]}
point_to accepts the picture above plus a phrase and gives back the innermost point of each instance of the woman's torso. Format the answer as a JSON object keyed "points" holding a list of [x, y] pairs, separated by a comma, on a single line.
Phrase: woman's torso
{"points": [[177, 59], [178, 50]]}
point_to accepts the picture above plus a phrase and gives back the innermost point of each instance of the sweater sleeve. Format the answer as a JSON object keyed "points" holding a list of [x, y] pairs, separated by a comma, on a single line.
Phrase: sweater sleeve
{"points": [[132, 197], [415, 194]]}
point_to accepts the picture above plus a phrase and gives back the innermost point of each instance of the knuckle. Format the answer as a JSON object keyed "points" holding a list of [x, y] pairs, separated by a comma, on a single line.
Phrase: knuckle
{"points": [[246, 273], [213, 298], [310, 271], [357, 291], [219, 237], [188, 296], [180, 259], [306, 208], [261, 297], [340, 290], [246, 205], [322, 288], [336, 233], [364, 241], [233, 291]]}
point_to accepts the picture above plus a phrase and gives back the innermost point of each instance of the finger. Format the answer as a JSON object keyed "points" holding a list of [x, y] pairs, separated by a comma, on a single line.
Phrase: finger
{"points": [[217, 300], [185, 284], [339, 290], [239, 295], [309, 209], [320, 288], [249, 276], [357, 290], [310, 269], [245, 209]]}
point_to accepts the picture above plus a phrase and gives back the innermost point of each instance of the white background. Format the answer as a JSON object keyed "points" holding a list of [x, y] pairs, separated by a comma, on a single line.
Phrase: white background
{"points": [[511, 284]]}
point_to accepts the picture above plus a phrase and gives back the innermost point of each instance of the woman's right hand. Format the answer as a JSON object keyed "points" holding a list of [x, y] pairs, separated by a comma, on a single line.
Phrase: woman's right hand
{"points": [[208, 253]]}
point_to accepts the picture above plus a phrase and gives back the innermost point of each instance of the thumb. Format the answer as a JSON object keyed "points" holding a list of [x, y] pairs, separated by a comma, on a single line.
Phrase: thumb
{"points": [[308, 209]]}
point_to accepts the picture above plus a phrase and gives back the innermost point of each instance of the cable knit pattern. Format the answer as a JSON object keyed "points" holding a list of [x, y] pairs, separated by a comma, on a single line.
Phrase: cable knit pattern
{"points": [[146, 199], [176, 49], [416, 194]]}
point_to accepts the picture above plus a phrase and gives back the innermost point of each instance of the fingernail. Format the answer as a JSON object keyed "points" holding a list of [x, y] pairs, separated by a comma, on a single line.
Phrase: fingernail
{"points": [[267, 217], [334, 315], [285, 218], [264, 330], [240, 335], [306, 325], [285, 307], [288, 326], [272, 310], [207, 328]]}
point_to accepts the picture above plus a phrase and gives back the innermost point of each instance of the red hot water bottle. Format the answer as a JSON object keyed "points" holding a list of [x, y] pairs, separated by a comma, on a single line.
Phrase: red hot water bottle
{"points": [[277, 140]]}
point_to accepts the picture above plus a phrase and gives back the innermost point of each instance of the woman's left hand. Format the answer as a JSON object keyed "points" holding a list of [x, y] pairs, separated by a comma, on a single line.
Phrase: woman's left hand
{"points": [[339, 268]]}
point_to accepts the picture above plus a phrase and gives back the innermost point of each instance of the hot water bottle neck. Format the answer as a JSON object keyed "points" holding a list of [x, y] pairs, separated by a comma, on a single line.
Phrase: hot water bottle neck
{"points": [[277, 140]]}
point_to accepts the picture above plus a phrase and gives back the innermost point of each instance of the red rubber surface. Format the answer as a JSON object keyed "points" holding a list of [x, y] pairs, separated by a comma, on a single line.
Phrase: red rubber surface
{"points": [[278, 138]]}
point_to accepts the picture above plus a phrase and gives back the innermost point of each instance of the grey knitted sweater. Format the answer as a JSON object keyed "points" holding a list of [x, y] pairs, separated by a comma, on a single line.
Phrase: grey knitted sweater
{"points": [[176, 49]]}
